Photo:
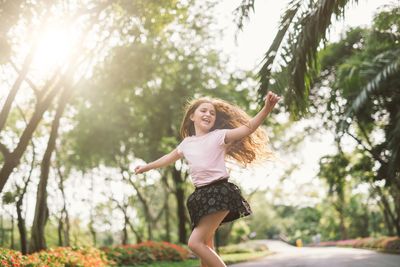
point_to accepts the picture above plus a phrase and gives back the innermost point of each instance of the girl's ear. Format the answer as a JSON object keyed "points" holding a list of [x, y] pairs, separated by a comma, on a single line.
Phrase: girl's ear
{"points": [[191, 117]]}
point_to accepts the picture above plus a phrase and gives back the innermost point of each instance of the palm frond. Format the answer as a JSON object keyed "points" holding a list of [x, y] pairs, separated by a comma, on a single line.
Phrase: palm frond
{"points": [[305, 36], [389, 62], [314, 28], [242, 12], [273, 51]]}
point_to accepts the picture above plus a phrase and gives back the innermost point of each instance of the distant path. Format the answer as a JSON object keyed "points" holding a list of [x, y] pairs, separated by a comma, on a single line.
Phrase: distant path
{"points": [[289, 256]]}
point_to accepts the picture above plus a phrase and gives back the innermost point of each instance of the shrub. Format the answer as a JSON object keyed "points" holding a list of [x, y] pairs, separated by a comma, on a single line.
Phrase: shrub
{"points": [[145, 252], [390, 244], [347, 243], [10, 257], [393, 244], [57, 257]]}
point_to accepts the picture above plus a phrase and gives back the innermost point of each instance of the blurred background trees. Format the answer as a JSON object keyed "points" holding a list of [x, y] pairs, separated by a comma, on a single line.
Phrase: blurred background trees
{"points": [[91, 89]]}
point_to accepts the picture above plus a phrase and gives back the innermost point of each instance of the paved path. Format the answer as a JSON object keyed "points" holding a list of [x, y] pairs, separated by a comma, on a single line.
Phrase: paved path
{"points": [[289, 256]]}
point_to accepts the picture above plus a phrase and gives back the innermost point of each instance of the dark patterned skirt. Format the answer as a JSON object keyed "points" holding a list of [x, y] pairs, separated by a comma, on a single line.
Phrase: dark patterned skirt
{"points": [[217, 196]]}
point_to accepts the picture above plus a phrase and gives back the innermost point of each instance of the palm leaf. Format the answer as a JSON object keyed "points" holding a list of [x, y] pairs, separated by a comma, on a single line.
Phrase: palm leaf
{"points": [[270, 55], [242, 12], [305, 36], [390, 68]]}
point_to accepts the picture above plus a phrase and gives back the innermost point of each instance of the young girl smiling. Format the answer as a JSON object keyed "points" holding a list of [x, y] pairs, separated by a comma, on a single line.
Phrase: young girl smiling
{"points": [[213, 129]]}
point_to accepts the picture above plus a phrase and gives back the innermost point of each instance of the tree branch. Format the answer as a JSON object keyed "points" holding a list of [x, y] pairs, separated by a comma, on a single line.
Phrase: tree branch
{"points": [[28, 81], [376, 157]]}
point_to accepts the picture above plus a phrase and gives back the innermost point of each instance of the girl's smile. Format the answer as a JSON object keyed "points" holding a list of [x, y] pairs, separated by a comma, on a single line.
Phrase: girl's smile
{"points": [[203, 118]]}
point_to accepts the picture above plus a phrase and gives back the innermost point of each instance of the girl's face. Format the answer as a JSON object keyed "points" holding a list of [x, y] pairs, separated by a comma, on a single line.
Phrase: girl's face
{"points": [[204, 116]]}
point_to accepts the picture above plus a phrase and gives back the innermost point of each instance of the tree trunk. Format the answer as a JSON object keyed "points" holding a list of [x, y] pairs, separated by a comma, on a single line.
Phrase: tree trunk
{"points": [[167, 219], [342, 226], [91, 222], [166, 207], [93, 232], [395, 192], [14, 89], [67, 228], [124, 235], [180, 200], [12, 233], [387, 221], [12, 159], [139, 238], [390, 218], [60, 232], [38, 241], [22, 227], [64, 225]]}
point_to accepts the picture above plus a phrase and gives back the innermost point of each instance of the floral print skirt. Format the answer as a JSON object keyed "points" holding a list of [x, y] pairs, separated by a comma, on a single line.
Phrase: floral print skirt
{"points": [[217, 196]]}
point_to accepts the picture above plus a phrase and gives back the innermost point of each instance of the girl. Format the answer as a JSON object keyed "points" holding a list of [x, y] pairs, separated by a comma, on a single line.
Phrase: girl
{"points": [[213, 128]]}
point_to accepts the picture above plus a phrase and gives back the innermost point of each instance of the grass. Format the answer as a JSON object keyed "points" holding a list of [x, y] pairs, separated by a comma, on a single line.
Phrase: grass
{"points": [[186, 263], [240, 257], [228, 259]]}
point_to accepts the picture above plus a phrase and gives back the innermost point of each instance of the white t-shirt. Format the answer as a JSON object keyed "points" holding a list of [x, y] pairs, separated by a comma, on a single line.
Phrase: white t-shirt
{"points": [[206, 156]]}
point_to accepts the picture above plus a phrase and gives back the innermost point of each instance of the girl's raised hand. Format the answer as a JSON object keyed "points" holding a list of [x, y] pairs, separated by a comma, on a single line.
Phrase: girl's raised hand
{"points": [[270, 100], [140, 169]]}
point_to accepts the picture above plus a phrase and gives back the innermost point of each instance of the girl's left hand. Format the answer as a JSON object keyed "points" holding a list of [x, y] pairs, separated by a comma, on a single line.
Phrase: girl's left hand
{"points": [[270, 100]]}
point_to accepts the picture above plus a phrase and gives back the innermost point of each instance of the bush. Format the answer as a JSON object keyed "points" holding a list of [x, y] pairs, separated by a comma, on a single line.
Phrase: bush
{"points": [[10, 257], [393, 244], [390, 244], [146, 252], [57, 257]]}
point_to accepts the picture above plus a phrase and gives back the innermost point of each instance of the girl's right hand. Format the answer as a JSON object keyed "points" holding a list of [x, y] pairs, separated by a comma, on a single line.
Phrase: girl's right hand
{"points": [[140, 169], [270, 100]]}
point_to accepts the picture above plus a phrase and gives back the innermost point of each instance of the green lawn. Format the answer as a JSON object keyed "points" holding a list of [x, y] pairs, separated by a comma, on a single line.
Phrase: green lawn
{"points": [[228, 259]]}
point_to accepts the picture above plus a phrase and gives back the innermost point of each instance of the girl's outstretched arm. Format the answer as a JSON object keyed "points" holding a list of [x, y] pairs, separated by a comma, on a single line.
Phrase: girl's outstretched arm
{"points": [[161, 162], [238, 133]]}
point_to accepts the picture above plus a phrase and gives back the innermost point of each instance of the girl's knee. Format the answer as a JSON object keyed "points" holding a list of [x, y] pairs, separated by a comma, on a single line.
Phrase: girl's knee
{"points": [[194, 243]]}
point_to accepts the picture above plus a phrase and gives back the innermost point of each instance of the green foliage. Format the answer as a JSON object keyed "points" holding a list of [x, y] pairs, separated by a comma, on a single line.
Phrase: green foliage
{"points": [[239, 232], [9, 197], [369, 80], [134, 102], [333, 170]]}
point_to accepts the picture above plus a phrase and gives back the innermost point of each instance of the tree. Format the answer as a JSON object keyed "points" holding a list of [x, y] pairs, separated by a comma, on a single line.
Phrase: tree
{"points": [[362, 73], [137, 98], [333, 170]]}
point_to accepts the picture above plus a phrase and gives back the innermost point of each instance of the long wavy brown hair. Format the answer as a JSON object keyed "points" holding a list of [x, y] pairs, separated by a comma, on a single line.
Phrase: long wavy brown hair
{"points": [[253, 148]]}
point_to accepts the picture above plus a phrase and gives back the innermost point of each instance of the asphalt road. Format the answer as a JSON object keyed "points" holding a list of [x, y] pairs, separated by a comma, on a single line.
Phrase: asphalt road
{"points": [[289, 256]]}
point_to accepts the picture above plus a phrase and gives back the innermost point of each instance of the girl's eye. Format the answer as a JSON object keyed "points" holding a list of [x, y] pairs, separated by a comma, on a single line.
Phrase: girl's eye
{"points": [[203, 111]]}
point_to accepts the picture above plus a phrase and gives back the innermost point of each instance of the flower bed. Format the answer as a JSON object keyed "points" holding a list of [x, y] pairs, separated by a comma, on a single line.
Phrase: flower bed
{"points": [[58, 257], [146, 252], [389, 244]]}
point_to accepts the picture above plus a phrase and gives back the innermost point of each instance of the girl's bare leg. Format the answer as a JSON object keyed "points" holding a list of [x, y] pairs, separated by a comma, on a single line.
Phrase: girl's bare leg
{"points": [[201, 236], [210, 244]]}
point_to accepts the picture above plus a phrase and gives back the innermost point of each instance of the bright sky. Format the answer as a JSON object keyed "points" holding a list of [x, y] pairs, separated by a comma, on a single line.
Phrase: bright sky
{"points": [[252, 43]]}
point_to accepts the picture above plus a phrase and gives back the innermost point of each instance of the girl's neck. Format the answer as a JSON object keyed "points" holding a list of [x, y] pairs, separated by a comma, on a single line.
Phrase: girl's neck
{"points": [[199, 133]]}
